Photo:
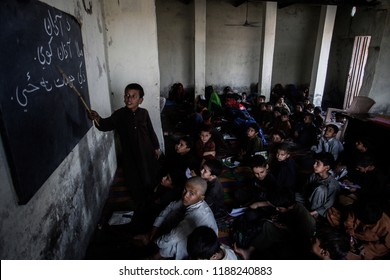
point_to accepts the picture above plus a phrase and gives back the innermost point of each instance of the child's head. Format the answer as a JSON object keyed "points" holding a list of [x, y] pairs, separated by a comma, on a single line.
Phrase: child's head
{"points": [[261, 99], [309, 108], [262, 106], [278, 136], [194, 190], [280, 100], [283, 152], [172, 179], [317, 110], [282, 199], [330, 131], [330, 244], [211, 169], [203, 244], [166, 181], [269, 106], [299, 107], [368, 212], [205, 133], [259, 166], [252, 130], [200, 105], [363, 145], [277, 112], [324, 162], [134, 95], [365, 163], [284, 115], [227, 90], [308, 118], [184, 146]]}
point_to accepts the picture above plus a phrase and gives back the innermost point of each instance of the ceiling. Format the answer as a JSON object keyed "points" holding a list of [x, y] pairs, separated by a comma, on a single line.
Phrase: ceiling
{"points": [[285, 3]]}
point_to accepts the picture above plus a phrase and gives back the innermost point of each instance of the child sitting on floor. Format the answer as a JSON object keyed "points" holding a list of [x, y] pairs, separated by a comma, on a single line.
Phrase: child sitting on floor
{"points": [[214, 196], [322, 188], [330, 244], [182, 159], [264, 183], [205, 146], [169, 189], [329, 143], [253, 145], [368, 227], [283, 167], [368, 182], [172, 227], [286, 235], [305, 134]]}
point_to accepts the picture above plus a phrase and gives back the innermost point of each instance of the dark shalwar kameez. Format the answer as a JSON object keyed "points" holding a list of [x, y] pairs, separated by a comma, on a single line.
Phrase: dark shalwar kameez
{"points": [[138, 143]]}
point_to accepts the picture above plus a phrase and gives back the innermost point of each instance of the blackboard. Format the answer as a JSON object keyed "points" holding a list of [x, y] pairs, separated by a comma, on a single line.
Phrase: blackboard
{"points": [[41, 117]]}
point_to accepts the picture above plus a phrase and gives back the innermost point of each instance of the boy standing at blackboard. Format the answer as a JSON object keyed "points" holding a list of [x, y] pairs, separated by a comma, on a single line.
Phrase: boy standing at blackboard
{"points": [[139, 143]]}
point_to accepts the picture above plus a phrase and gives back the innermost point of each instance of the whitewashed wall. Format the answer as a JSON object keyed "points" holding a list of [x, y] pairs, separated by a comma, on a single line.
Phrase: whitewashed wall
{"points": [[131, 33]]}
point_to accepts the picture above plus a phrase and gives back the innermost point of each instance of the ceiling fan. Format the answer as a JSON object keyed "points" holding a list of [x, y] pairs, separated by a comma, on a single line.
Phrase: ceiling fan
{"points": [[246, 23]]}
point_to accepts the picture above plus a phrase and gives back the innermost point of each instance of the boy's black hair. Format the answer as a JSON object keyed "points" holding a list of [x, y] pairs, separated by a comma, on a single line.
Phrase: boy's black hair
{"points": [[262, 96], [277, 109], [368, 212], [367, 142], [326, 158], [317, 109], [188, 140], [308, 114], [136, 87], [300, 104], [200, 104], [258, 161], [215, 166], [178, 178], [284, 112], [202, 243], [282, 197], [254, 126], [285, 147], [335, 127], [206, 127], [279, 132], [334, 241]]}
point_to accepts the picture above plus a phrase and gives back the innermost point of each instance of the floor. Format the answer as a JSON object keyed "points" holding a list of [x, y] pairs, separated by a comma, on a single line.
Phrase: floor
{"points": [[111, 242]]}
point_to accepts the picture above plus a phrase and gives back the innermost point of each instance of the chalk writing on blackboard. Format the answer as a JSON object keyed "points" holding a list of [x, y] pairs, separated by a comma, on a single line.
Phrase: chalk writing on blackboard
{"points": [[41, 119], [54, 26]]}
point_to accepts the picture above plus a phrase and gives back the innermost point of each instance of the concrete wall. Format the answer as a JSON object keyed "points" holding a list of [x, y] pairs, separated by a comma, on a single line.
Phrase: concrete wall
{"points": [[59, 220], [233, 52], [175, 25], [131, 32], [296, 33], [381, 75], [374, 22]]}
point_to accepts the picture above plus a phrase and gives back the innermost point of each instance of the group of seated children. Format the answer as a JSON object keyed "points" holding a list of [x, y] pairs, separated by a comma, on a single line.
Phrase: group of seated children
{"points": [[289, 212]]}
